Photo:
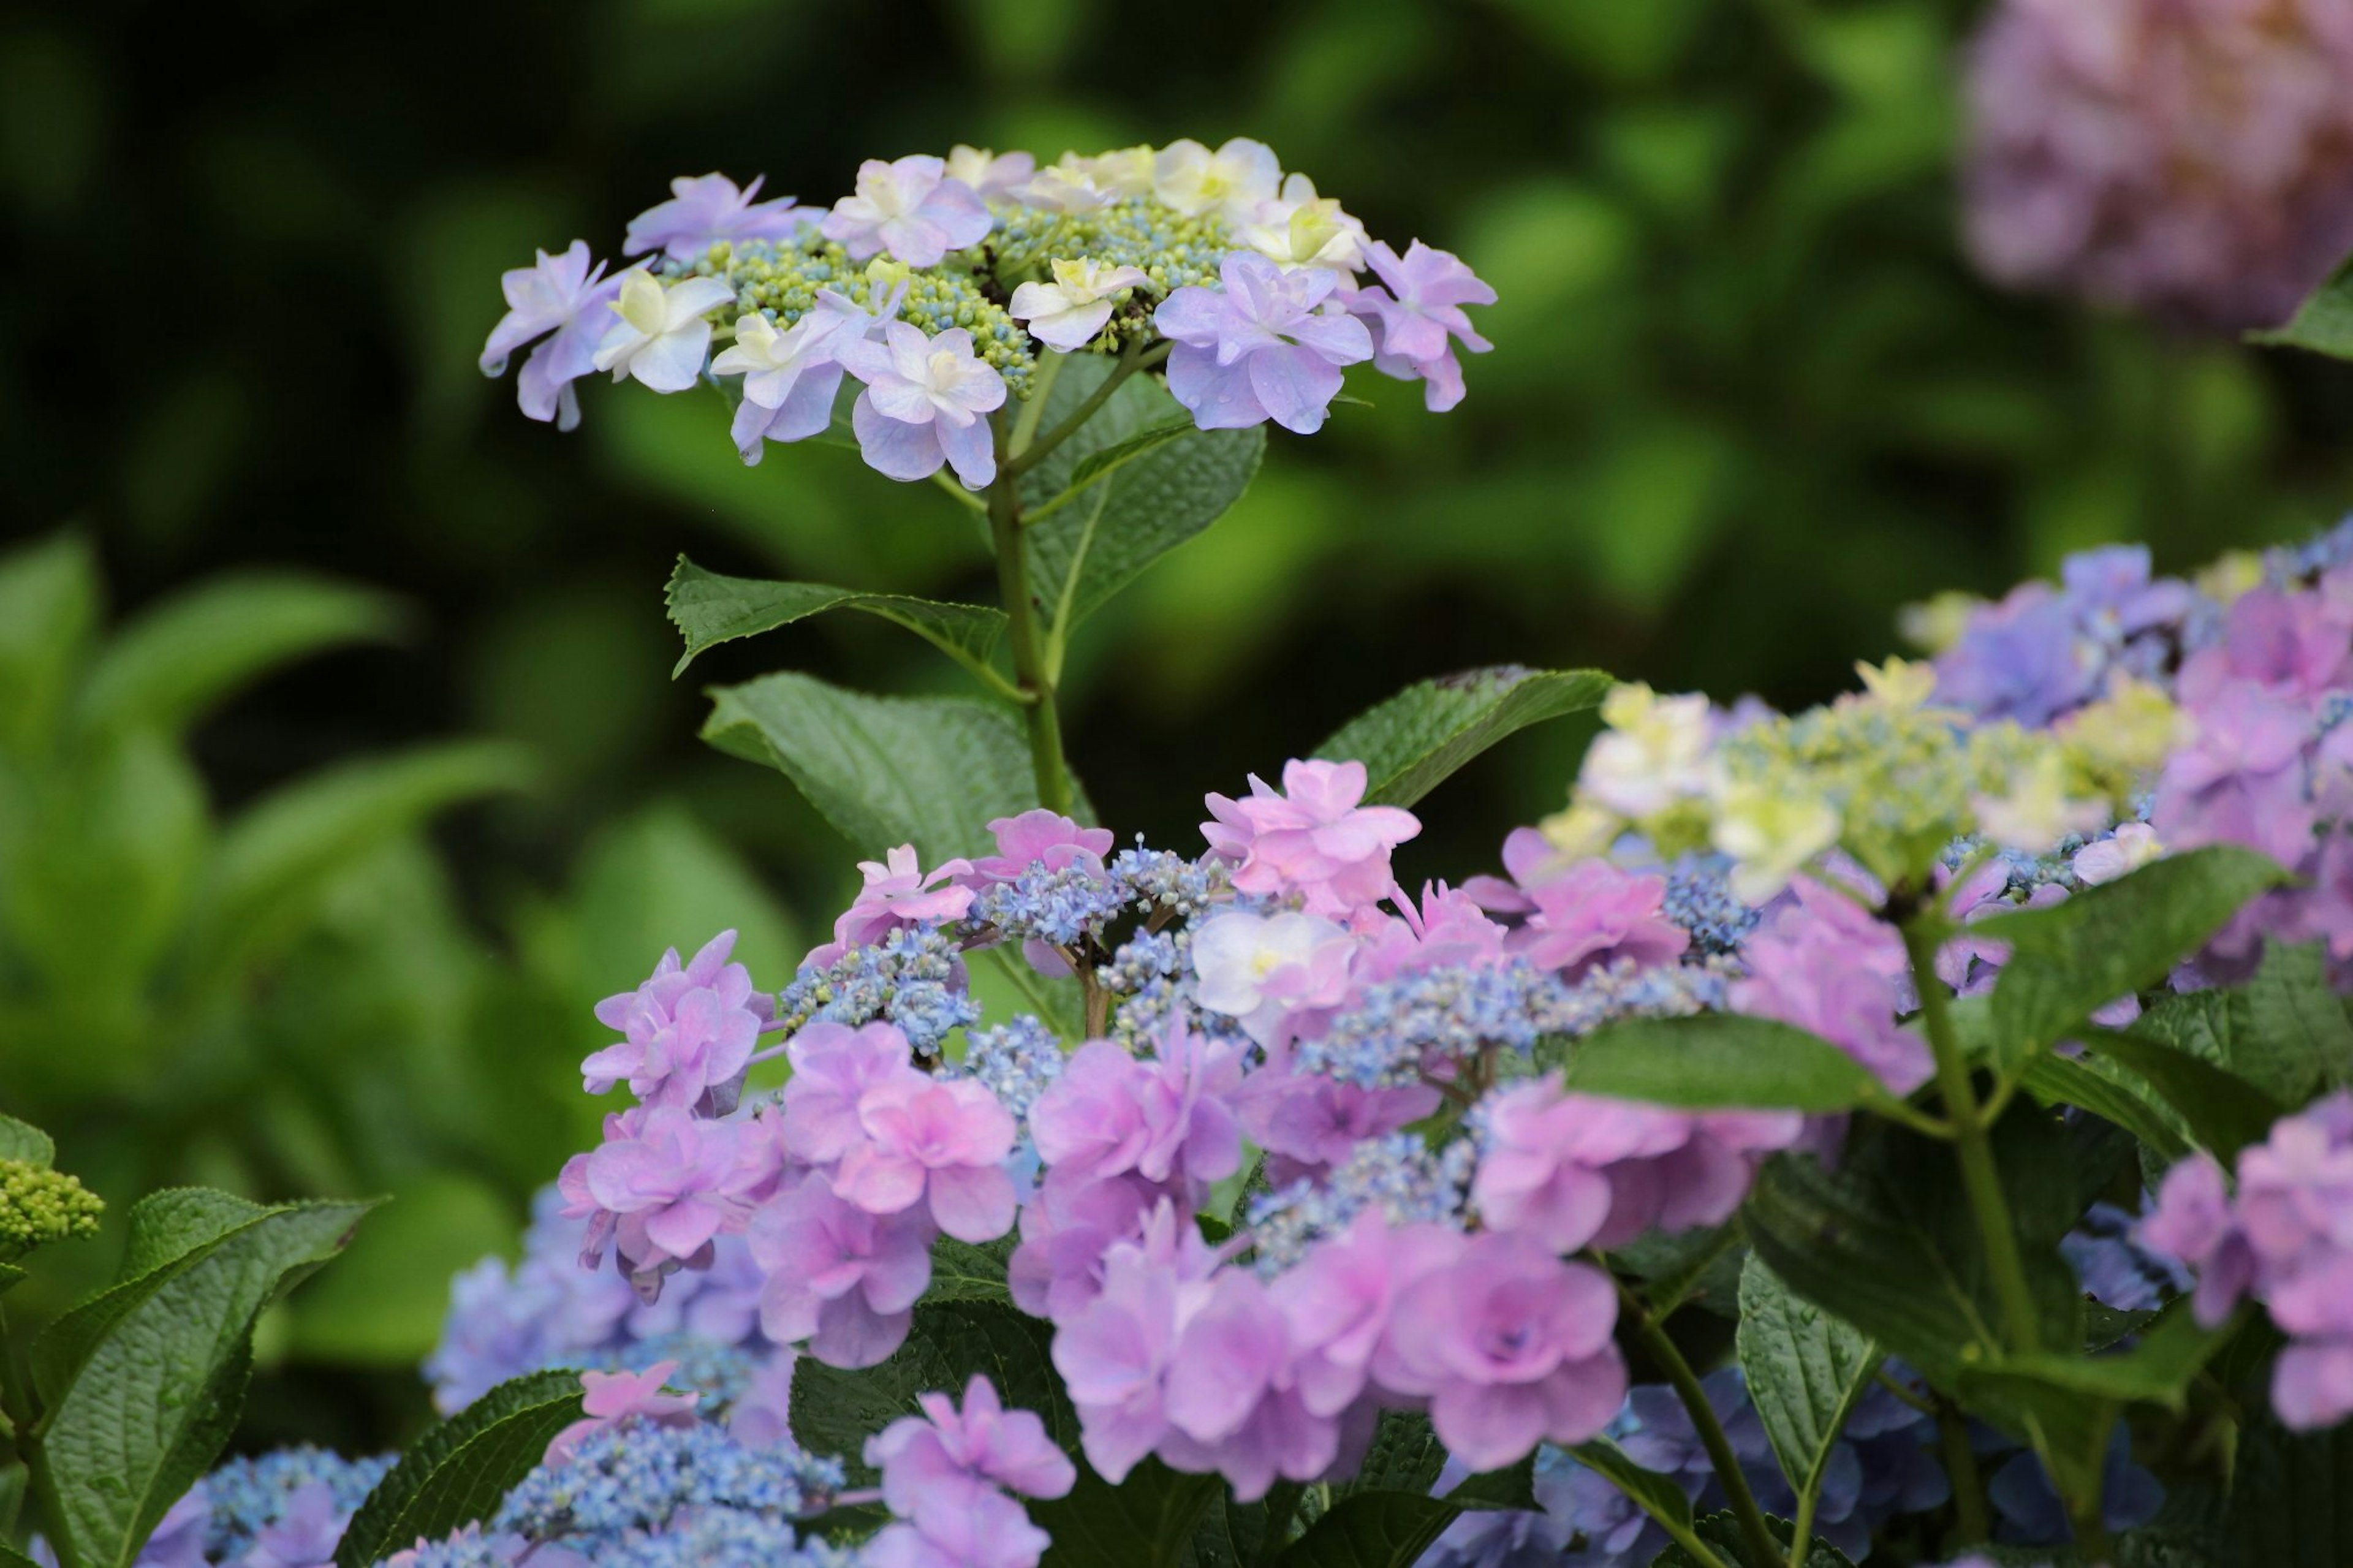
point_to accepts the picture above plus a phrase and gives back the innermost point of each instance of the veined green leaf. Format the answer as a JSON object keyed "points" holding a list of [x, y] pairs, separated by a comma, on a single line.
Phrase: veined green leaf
{"points": [[1711, 1060], [2223, 1111], [2323, 325], [1805, 1369], [709, 609], [1410, 742], [461, 1470]]}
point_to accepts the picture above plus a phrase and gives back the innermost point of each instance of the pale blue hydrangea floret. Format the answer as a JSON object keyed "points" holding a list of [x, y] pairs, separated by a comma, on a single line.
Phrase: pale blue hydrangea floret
{"points": [[1064, 907], [2116, 1269], [1166, 882], [719, 1373], [906, 978], [1700, 900], [1015, 1061], [724, 1538], [641, 1478], [2286, 565], [469, 1548], [1452, 1013], [1400, 1175], [250, 1494], [1143, 958], [1171, 250]]}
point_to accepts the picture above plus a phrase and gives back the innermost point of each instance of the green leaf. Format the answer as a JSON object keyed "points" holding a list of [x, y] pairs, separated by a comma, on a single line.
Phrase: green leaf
{"points": [[1237, 1534], [2055, 1081], [461, 1470], [1723, 1534], [962, 1271], [2222, 1111], [926, 771], [48, 610], [710, 609], [1153, 497], [12, 1558], [1804, 1370], [1410, 742], [1404, 1455], [2298, 1033], [278, 861], [25, 1143], [836, 1409], [1661, 1496], [1711, 1060], [2323, 323], [2072, 959], [2156, 1370], [1368, 1529], [168, 666], [142, 1382], [1147, 1520], [2291, 1498], [1690, 1267], [1886, 1242]]}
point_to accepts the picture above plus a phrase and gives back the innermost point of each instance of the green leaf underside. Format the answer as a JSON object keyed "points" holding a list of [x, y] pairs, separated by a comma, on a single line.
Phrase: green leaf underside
{"points": [[23, 1142], [1412, 742], [1805, 1371], [1719, 1059], [144, 1381], [1723, 1534], [2171, 1351], [927, 771], [1661, 1496], [2222, 1111], [1383, 1529], [2074, 958], [1886, 1242], [2323, 323], [709, 609], [2093, 1085], [461, 1470], [1147, 1520], [1162, 483]]}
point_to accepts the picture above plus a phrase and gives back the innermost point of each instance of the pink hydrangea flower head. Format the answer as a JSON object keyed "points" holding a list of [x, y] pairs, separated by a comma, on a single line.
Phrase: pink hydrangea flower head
{"points": [[1825, 966], [1512, 1347], [834, 1066], [993, 1532], [1336, 1303], [677, 1183], [898, 893], [1234, 1408], [1592, 913], [1546, 1167], [687, 1031], [946, 1459], [2312, 1383], [844, 1280], [614, 1398], [1314, 839], [1115, 1354], [924, 405], [2241, 779], [1067, 1228], [2191, 159], [1419, 317], [1315, 1122], [567, 300], [941, 1144], [1266, 970], [1449, 928], [1167, 1120], [1040, 838], [910, 208], [1257, 347], [2193, 1221]]}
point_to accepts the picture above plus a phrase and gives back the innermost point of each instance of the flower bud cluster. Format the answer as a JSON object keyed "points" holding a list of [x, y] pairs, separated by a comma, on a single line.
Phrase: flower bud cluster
{"points": [[39, 1205]]}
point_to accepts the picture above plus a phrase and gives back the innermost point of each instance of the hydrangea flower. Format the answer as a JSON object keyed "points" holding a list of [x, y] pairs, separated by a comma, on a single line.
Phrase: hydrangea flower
{"points": [[705, 208], [839, 1278], [1418, 313], [663, 330], [675, 1181], [1257, 348], [910, 208], [687, 1030], [924, 403], [948, 1461], [1232, 181], [790, 377], [940, 1146], [564, 301], [1312, 839], [1300, 228], [611, 1399], [1068, 313]]}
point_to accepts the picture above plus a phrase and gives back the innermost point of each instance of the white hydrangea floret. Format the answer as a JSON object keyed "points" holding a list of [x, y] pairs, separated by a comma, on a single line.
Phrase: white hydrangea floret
{"points": [[1653, 754], [662, 334]]}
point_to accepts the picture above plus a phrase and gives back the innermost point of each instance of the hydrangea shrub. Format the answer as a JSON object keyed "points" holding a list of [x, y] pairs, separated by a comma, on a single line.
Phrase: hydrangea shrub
{"points": [[1917, 1126]]}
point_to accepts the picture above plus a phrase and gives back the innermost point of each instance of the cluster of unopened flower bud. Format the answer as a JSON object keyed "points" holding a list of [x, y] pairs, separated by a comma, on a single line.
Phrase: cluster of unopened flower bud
{"points": [[39, 1205], [948, 287]]}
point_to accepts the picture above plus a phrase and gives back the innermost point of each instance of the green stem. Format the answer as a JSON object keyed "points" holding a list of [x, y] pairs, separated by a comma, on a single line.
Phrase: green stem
{"points": [[1971, 1523], [1762, 1548], [1980, 1181], [18, 1397], [1025, 424], [1136, 357], [1021, 634]]}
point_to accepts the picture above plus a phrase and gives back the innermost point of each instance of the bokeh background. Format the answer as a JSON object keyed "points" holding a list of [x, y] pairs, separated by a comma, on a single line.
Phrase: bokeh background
{"points": [[307, 890]]}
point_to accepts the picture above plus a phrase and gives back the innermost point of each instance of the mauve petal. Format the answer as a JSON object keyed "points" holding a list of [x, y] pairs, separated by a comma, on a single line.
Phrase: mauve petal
{"points": [[891, 447], [1488, 1427], [877, 1181], [972, 1202], [1295, 386], [1220, 397], [680, 1228], [851, 1335], [1343, 340], [969, 451]]}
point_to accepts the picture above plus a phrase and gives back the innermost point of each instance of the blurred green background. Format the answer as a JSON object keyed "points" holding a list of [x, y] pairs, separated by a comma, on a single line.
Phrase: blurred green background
{"points": [[1745, 400]]}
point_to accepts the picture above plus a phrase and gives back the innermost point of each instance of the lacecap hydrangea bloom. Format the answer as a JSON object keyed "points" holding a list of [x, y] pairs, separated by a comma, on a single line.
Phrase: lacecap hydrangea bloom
{"points": [[946, 289]]}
